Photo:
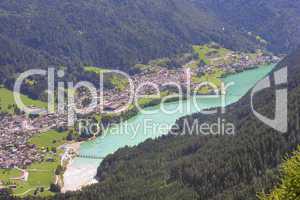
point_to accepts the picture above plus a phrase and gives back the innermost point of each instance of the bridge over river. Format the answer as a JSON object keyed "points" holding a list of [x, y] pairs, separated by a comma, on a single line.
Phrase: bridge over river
{"points": [[89, 156]]}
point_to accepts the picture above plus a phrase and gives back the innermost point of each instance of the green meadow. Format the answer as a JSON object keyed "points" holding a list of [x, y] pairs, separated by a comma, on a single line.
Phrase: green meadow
{"points": [[7, 100], [214, 78], [5, 174], [41, 174], [116, 80], [96, 70], [49, 139], [119, 82], [203, 52]]}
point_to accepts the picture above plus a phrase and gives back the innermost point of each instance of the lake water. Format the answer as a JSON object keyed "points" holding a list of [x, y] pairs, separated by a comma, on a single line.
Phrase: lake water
{"points": [[145, 126]]}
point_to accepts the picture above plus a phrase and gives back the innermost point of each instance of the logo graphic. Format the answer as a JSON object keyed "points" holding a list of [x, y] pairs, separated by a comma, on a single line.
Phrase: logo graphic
{"points": [[280, 123]]}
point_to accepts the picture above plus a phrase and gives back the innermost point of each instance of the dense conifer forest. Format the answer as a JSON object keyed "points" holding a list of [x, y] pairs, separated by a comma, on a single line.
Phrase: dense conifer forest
{"points": [[119, 34]]}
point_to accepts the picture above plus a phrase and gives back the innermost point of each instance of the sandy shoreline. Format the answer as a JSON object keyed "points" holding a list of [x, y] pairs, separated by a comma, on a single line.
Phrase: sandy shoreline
{"points": [[76, 177], [70, 150]]}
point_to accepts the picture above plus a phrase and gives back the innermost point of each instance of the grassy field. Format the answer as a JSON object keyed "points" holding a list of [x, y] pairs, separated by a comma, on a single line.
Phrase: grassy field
{"points": [[116, 80], [6, 174], [147, 101], [203, 52], [213, 78], [7, 100], [119, 82], [96, 70], [143, 67], [40, 174], [49, 139]]}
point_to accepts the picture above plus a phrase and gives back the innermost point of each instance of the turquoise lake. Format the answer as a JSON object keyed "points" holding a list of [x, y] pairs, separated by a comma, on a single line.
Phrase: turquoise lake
{"points": [[145, 126]]}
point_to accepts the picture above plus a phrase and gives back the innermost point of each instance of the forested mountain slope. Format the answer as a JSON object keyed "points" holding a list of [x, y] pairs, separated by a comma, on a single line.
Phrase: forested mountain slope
{"points": [[289, 185], [276, 21], [118, 34], [114, 33]]}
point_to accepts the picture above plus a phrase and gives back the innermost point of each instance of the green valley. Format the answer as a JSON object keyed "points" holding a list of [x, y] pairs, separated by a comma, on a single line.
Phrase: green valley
{"points": [[7, 101], [158, 125]]}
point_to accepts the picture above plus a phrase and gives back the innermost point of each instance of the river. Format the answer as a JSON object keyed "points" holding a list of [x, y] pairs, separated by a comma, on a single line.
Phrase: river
{"points": [[144, 126]]}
